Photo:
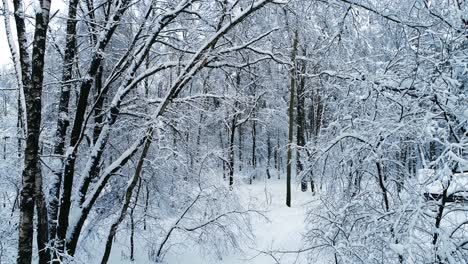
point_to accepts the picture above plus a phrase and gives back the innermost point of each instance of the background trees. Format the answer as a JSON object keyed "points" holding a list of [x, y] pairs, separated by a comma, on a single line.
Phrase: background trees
{"points": [[383, 116], [142, 113]]}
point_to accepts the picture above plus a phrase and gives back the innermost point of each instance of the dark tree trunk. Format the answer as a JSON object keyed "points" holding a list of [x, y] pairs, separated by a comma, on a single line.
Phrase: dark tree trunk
{"points": [[132, 236], [268, 156], [98, 120], [239, 148], [69, 166], [315, 123], [225, 172], [278, 155], [254, 150], [42, 224], [132, 222], [401, 171], [438, 220], [31, 166], [231, 152], [382, 185], [63, 115], [145, 210], [300, 133], [20, 125], [254, 145], [38, 55], [32, 192], [254, 135], [291, 121]]}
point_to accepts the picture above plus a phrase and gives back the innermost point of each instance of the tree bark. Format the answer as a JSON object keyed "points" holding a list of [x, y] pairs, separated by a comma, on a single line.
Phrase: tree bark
{"points": [[231, 152], [291, 120], [382, 185], [300, 137], [239, 148], [254, 145], [38, 55], [32, 192], [27, 198], [63, 118], [132, 222], [438, 220], [268, 156]]}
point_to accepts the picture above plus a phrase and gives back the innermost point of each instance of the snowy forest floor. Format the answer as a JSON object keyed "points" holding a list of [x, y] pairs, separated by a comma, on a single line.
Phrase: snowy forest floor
{"points": [[282, 231]]}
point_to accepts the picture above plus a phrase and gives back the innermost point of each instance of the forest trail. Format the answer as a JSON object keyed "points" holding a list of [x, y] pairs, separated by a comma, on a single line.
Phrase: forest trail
{"points": [[282, 231]]}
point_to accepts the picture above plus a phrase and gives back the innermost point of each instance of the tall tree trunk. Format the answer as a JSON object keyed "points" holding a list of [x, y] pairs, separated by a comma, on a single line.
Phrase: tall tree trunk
{"points": [[291, 120], [63, 117], [300, 137], [42, 223], [278, 155], [239, 147], [145, 210], [319, 114], [132, 222], [231, 152], [98, 115], [27, 198], [438, 220], [225, 172], [268, 155], [254, 133], [382, 185], [32, 192], [254, 145], [132, 236], [37, 76], [315, 123], [69, 163]]}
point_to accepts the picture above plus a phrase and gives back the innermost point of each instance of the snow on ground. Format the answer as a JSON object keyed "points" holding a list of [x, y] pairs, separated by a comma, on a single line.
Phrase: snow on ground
{"points": [[282, 231]]}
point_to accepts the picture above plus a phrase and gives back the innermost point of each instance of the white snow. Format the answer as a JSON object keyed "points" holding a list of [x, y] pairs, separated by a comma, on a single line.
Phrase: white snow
{"points": [[281, 232]]}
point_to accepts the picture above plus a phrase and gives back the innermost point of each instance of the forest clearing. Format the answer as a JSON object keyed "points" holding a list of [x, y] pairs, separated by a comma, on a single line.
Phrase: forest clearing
{"points": [[234, 131]]}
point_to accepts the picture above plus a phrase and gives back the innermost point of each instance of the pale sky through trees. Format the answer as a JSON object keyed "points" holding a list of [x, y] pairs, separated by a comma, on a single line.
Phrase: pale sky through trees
{"points": [[5, 58]]}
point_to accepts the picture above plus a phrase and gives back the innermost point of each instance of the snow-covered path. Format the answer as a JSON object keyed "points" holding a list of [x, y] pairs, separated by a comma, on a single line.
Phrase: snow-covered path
{"points": [[283, 231]]}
